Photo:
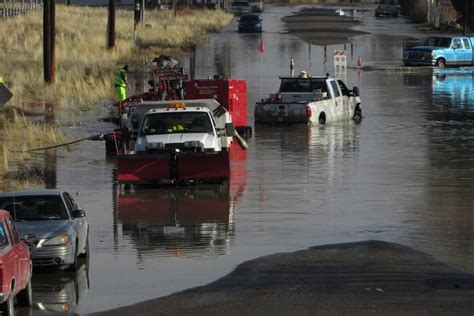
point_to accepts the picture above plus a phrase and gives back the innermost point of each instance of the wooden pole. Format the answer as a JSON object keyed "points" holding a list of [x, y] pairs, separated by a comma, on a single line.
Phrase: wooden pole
{"points": [[111, 25], [53, 40], [465, 15], [47, 41]]}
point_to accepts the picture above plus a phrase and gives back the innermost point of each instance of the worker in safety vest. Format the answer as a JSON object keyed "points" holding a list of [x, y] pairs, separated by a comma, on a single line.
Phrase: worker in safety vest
{"points": [[120, 82]]}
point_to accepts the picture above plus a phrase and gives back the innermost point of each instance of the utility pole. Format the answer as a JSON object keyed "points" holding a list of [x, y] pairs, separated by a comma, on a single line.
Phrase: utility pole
{"points": [[465, 15], [46, 41], [175, 7], [111, 25], [49, 35]]}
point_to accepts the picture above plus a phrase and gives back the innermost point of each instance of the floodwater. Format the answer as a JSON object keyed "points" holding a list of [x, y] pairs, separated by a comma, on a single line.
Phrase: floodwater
{"points": [[404, 175]]}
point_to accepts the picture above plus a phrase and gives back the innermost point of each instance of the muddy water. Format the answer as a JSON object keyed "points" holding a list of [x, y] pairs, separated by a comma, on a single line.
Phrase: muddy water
{"points": [[405, 175]]}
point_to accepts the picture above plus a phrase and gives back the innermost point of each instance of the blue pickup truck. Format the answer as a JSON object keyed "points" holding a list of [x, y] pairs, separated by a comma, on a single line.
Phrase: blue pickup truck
{"points": [[441, 51]]}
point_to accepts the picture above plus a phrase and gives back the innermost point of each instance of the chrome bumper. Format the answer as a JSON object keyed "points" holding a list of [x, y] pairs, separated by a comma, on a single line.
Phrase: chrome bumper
{"points": [[53, 255]]}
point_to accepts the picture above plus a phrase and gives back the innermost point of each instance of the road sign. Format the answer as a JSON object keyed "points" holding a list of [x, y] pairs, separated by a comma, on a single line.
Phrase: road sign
{"points": [[5, 95]]}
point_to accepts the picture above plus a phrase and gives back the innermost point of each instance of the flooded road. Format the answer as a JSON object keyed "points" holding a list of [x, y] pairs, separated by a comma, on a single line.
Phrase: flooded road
{"points": [[404, 175]]}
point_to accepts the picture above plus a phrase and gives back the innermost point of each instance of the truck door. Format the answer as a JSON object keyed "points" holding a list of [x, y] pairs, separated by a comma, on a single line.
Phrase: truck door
{"points": [[21, 252], [469, 53], [338, 100], [458, 51]]}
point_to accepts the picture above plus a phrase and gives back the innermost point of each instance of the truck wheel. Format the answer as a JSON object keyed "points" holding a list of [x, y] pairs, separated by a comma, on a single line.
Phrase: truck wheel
{"points": [[8, 307], [25, 296], [441, 63], [322, 118], [357, 115]]}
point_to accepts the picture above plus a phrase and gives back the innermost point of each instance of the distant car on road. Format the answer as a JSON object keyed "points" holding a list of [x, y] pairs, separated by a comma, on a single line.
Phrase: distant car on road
{"points": [[240, 7], [250, 23], [15, 267], [387, 8], [59, 225]]}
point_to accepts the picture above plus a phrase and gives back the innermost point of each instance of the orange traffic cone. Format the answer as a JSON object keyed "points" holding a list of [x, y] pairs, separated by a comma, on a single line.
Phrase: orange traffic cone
{"points": [[359, 62]]}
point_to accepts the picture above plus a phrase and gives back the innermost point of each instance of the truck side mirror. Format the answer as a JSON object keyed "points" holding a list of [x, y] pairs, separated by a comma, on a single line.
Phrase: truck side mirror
{"points": [[355, 91], [229, 129]]}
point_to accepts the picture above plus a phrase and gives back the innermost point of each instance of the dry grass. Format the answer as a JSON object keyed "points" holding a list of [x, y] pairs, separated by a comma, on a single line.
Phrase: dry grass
{"points": [[84, 65], [19, 136]]}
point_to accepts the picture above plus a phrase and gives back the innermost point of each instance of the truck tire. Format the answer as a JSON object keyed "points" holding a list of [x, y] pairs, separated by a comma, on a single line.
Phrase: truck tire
{"points": [[8, 307], [357, 115], [322, 118], [25, 296], [441, 62]]}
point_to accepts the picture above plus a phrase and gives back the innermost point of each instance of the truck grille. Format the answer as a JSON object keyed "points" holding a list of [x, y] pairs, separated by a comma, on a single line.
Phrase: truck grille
{"points": [[416, 55]]}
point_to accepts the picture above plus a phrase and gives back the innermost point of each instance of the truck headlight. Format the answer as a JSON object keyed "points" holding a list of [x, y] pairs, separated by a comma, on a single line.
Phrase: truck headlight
{"points": [[193, 144], [58, 240], [156, 146]]}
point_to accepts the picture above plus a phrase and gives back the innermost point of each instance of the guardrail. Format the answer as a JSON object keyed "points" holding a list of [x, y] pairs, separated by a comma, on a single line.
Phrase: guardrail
{"points": [[13, 8]]}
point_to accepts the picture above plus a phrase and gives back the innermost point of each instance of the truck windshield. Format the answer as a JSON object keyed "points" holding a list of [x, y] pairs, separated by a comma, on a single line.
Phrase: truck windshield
{"points": [[438, 42], [176, 122]]}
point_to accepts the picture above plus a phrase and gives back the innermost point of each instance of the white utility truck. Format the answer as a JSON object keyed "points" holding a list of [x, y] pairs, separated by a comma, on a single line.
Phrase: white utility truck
{"points": [[314, 100]]}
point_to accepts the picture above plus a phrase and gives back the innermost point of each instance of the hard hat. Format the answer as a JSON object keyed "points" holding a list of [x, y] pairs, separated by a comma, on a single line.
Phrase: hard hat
{"points": [[303, 72]]}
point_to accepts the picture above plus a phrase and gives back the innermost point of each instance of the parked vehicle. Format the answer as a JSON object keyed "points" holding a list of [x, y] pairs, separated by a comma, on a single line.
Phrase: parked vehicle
{"points": [[317, 100], [250, 23], [59, 225], [441, 51], [178, 141], [240, 7], [256, 6], [15, 267], [387, 7]]}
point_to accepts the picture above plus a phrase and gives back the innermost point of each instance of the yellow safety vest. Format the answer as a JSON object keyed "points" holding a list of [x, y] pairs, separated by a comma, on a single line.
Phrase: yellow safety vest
{"points": [[1, 80]]}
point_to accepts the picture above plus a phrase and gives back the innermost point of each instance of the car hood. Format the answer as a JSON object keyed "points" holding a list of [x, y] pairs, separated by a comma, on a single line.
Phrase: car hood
{"points": [[44, 229]]}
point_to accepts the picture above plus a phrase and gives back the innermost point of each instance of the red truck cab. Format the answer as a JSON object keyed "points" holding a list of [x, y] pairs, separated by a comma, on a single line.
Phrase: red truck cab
{"points": [[15, 267]]}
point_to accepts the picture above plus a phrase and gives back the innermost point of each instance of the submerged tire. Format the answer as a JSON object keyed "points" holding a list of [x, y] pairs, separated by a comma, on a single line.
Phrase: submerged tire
{"points": [[8, 307], [357, 115], [25, 296], [441, 63], [322, 118]]}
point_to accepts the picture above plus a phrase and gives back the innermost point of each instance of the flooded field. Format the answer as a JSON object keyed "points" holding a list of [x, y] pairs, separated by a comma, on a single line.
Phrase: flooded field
{"points": [[404, 175]]}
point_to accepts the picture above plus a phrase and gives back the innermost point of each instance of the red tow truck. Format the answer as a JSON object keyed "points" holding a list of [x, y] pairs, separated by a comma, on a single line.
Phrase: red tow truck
{"points": [[174, 84], [178, 161]]}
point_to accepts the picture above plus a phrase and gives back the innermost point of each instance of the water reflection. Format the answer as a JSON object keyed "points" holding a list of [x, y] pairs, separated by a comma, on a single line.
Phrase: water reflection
{"points": [[182, 222], [58, 292], [454, 87]]}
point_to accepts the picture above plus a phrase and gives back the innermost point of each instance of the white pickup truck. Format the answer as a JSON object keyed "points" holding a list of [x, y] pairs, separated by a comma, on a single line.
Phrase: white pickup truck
{"points": [[178, 141], [316, 100]]}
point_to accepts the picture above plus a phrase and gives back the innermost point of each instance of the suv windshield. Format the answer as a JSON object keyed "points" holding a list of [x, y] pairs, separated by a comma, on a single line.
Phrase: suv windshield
{"points": [[176, 122], [35, 208]]}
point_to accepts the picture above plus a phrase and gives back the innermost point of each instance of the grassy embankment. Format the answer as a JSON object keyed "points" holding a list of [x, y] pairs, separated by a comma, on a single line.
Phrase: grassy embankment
{"points": [[84, 65]]}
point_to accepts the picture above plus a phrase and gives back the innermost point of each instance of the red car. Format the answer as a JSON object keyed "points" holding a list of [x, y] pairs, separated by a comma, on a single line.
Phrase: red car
{"points": [[15, 267]]}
